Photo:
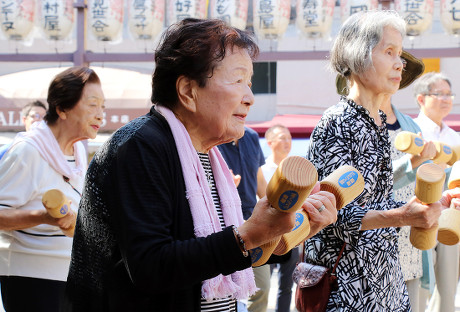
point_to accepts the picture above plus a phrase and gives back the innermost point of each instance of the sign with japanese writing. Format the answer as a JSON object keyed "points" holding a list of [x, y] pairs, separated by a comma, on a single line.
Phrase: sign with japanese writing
{"points": [[314, 17], [146, 18], [418, 15], [349, 7], [178, 10], [106, 19], [17, 18], [56, 18], [233, 12], [271, 18], [450, 16]]}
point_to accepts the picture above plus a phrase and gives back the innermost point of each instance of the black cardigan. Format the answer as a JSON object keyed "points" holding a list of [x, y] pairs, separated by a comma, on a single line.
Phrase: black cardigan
{"points": [[134, 248]]}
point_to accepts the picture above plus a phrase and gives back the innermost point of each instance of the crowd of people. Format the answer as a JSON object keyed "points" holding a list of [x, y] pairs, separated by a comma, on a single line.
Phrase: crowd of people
{"points": [[171, 208]]}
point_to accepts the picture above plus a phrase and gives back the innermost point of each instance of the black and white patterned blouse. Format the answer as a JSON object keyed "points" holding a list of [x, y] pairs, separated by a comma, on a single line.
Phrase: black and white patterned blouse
{"points": [[369, 274]]}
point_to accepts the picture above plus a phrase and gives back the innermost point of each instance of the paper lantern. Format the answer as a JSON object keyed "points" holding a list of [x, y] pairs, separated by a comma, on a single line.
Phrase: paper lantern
{"points": [[178, 10], [233, 12], [271, 18], [17, 18], [450, 16], [106, 19], [418, 15], [314, 17], [56, 18], [146, 18], [349, 7]]}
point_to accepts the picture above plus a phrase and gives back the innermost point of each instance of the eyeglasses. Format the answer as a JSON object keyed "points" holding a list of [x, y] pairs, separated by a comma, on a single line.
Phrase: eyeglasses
{"points": [[36, 116], [442, 96]]}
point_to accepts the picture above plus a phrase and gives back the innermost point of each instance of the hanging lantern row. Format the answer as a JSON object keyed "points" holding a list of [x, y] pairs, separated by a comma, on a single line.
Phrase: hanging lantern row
{"points": [[146, 18]]}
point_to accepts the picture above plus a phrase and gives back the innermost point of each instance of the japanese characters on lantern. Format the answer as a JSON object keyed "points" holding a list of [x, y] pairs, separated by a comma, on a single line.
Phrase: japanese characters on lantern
{"points": [[106, 19], [178, 10], [146, 18], [450, 16], [314, 17], [17, 18], [56, 18], [233, 12], [349, 7], [418, 15], [271, 18]]}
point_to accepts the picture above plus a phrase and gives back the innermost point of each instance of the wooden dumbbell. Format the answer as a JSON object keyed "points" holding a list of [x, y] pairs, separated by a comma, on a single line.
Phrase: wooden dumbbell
{"points": [[346, 183], [411, 143], [449, 221], [428, 189], [287, 190], [58, 206]]}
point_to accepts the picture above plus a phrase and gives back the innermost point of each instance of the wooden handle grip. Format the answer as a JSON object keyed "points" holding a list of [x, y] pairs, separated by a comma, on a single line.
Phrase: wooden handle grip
{"points": [[346, 183], [449, 222], [57, 205], [428, 189], [287, 190]]}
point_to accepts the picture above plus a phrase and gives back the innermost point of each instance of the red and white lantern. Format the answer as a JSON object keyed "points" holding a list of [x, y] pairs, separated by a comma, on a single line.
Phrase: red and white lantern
{"points": [[349, 7], [314, 17], [17, 18], [106, 19], [418, 15], [271, 18], [56, 18], [450, 16], [146, 18], [233, 12], [178, 10]]}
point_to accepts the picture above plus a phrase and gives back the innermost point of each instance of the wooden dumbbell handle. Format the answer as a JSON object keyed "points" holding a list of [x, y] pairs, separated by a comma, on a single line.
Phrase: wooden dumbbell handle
{"points": [[58, 206], [428, 189], [287, 190], [346, 183], [449, 221]]}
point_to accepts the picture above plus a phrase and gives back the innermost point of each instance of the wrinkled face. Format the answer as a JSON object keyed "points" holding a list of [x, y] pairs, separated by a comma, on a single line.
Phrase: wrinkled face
{"points": [[438, 103], [85, 118], [385, 76], [280, 143], [223, 104], [36, 114]]}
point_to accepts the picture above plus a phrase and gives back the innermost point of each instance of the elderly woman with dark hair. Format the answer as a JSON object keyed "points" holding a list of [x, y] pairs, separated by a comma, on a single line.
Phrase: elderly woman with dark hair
{"points": [[34, 252], [367, 52], [160, 226]]}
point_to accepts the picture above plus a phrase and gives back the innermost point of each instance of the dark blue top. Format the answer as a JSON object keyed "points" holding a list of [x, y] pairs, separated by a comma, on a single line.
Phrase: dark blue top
{"points": [[245, 159]]}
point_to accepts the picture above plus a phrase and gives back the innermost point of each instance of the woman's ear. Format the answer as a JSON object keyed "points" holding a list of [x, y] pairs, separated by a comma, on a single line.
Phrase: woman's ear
{"points": [[62, 114], [186, 93]]}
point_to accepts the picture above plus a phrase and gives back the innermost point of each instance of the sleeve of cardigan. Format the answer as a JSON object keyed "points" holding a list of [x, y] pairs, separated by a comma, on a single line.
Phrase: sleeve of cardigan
{"points": [[403, 174], [147, 213]]}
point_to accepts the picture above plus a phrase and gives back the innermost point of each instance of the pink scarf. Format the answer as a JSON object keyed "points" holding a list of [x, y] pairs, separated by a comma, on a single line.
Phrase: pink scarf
{"points": [[41, 137], [239, 285]]}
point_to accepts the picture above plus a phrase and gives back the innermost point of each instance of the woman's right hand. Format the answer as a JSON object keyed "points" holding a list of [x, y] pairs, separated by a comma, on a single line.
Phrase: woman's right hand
{"points": [[415, 213]]}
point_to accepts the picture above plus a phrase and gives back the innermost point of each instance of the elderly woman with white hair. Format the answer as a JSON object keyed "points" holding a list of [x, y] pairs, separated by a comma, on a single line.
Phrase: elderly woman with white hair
{"points": [[367, 52]]}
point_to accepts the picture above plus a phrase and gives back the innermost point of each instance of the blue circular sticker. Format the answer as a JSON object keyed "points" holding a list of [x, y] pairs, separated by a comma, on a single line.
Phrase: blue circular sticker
{"points": [[447, 150], [418, 141], [288, 199], [256, 254], [348, 179], [64, 209], [299, 218]]}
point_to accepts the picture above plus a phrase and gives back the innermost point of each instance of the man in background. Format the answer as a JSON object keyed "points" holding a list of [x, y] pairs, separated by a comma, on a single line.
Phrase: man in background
{"points": [[245, 158], [279, 141], [434, 96], [30, 113]]}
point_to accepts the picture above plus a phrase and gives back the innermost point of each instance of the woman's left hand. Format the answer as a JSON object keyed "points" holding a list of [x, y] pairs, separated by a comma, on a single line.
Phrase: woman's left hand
{"points": [[449, 197], [320, 217]]}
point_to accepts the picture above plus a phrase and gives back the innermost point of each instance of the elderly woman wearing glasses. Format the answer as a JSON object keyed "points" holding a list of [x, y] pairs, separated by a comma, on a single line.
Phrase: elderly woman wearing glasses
{"points": [[367, 52], [160, 226]]}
